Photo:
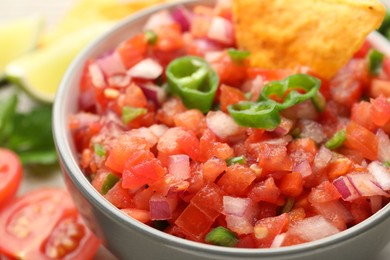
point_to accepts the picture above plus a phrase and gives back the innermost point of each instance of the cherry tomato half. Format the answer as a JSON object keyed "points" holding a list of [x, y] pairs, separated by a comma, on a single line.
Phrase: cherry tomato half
{"points": [[44, 224], [11, 172]]}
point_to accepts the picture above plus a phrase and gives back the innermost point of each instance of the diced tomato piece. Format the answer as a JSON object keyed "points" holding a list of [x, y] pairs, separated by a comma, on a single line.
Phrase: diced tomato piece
{"points": [[139, 214], [212, 168], [246, 241], [169, 38], [292, 239], [189, 144], [150, 169], [134, 97], [274, 157], [266, 229], [291, 184], [169, 110], [177, 140], [141, 168], [192, 119], [210, 200], [142, 197], [380, 87], [360, 209], [380, 110], [362, 52], [338, 167], [324, 192], [230, 73], [362, 140], [335, 212], [200, 26], [133, 50], [361, 114], [265, 191], [268, 74], [119, 197], [123, 149], [230, 96], [302, 149], [347, 86], [209, 147], [236, 179], [194, 222], [296, 214]]}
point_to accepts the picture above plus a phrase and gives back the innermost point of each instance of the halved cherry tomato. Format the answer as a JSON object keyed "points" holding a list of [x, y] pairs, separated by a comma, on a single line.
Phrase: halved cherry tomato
{"points": [[44, 224], [10, 175]]}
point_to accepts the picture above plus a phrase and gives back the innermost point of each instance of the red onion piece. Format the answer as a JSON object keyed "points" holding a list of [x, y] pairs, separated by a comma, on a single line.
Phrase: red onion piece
{"points": [[159, 208], [311, 129], [179, 166], [235, 206], [146, 69], [221, 30], [97, 76], [313, 228], [158, 19], [278, 240], [111, 64], [303, 168], [381, 174], [383, 146], [183, 17], [345, 188], [223, 125], [158, 130], [154, 93], [322, 158], [365, 185], [240, 225]]}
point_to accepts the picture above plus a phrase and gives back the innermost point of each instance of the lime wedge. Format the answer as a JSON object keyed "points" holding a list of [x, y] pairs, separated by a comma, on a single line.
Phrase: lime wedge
{"points": [[19, 37], [40, 72]]}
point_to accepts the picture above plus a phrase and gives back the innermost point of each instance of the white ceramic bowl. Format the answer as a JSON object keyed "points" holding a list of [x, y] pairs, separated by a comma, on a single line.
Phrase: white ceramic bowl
{"points": [[129, 239]]}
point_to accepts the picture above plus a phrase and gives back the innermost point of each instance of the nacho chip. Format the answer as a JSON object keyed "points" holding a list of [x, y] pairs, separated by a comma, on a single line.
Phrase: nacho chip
{"points": [[320, 34]]}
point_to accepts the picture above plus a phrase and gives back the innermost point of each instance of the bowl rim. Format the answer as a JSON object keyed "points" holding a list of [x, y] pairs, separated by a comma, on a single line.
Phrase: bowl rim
{"points": [[68, 159]]}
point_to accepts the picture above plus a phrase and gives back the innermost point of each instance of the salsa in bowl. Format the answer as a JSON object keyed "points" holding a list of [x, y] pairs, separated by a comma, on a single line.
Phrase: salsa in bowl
{"points": [[176, 143]]}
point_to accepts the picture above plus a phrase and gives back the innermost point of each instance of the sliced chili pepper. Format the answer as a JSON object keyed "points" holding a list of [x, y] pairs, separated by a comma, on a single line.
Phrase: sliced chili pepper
{"points": [[264, 114], [239, 159], [375, 61], [222, 237], [109, 182], [292, 90], [336, 140], [194, 81], [238, 55]]}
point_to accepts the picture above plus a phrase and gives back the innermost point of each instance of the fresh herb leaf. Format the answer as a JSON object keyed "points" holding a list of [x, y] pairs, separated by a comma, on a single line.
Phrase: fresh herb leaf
{"points": [[28, 134], [7, 112]]}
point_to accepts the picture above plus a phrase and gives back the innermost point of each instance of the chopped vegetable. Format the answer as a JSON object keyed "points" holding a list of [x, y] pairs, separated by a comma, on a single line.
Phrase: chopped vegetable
{"points": [[239, 159], [222, 237], [194, 81], [151, 37], [130, 113], [256, 114], [27, 134], [109, 182], [238, 55], [99, 150], [375, 59], [337, 140]]}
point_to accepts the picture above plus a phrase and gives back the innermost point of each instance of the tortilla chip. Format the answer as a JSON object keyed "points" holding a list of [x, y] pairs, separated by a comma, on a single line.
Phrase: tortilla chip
{"points": [[320, 34]]}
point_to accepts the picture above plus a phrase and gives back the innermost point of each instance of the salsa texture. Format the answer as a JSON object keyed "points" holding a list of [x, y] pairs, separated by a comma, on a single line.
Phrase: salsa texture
{"points": [[177, 130]]}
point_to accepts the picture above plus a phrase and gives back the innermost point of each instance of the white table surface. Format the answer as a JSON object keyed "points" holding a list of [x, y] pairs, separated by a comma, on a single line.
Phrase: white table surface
{"points": [[53, 11]]}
